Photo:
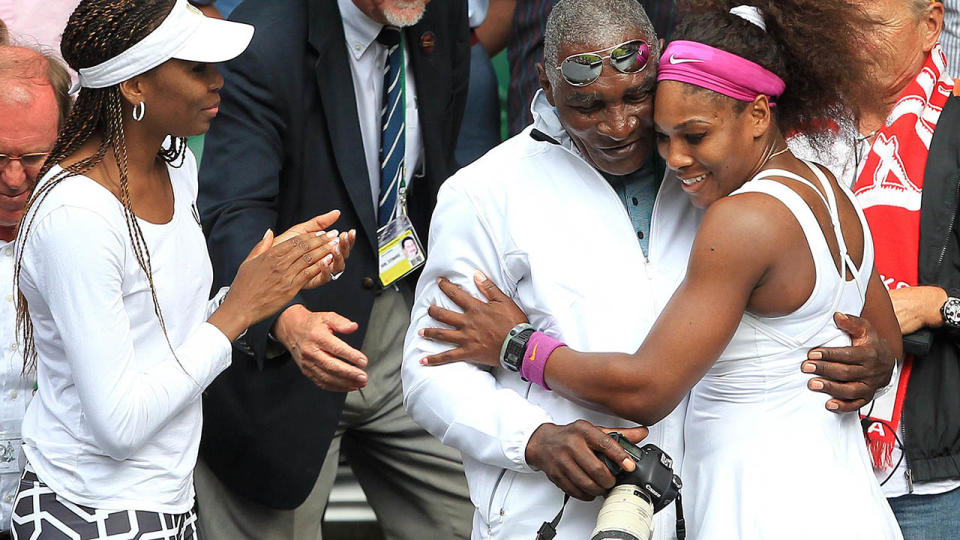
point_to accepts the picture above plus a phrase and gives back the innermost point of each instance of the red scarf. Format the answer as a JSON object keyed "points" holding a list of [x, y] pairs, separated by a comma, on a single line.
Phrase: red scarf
{"points": [[889, 187]]}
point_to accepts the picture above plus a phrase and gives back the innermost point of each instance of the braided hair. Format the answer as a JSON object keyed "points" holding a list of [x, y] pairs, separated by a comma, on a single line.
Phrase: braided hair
{"points": [[97, 31]]}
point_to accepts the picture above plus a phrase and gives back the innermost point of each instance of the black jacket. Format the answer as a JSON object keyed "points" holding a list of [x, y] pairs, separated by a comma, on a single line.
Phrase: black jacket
{"points": [[286, 147], [931, 412]]}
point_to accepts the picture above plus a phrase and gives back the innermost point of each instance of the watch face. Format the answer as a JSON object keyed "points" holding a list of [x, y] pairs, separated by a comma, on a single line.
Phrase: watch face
{"points": [[951, 312], [516, 348]]}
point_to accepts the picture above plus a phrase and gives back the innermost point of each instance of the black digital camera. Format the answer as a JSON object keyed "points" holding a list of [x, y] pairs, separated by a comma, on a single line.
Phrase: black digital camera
{"points": [[627, 512]]}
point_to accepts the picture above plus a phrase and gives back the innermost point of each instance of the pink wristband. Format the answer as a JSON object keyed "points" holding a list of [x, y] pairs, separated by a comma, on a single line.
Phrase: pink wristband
{"points": [[539, 347]]}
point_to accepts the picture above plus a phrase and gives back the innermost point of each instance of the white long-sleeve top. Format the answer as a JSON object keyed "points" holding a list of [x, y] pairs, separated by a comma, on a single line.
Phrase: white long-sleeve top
{"points": [[15, 390], [553, 234], [115, 423]]}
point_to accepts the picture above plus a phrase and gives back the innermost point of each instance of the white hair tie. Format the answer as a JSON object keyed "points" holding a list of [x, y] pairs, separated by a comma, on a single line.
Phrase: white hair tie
{"points": [[750, 14]]}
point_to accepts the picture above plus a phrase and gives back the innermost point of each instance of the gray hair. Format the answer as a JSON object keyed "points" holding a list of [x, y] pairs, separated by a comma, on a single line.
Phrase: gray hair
{"points": [[919, 7], [579, 22]]}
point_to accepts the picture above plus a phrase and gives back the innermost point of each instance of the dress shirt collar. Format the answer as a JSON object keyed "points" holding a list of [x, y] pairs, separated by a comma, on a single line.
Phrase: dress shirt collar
{"points": [[359, 29]]}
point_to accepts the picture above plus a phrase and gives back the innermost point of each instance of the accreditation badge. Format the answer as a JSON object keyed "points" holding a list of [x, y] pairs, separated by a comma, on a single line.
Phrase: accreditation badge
{"points": [[400, 250]]}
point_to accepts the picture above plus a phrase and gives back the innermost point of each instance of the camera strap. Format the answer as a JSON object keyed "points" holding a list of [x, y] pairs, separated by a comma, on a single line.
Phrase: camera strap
{"points": [[681, 523], [548, 530]]}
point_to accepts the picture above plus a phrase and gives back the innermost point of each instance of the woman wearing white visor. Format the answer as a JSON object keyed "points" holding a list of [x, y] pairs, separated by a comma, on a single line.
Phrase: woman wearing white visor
{"points": [[114, 278]]}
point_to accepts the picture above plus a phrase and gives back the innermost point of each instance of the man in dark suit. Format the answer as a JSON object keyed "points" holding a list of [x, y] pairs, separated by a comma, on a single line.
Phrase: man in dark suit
{"points": [[299, 132]]}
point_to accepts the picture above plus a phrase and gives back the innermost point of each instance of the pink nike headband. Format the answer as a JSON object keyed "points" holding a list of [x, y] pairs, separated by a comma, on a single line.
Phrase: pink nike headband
{"points": [[711, 68]]}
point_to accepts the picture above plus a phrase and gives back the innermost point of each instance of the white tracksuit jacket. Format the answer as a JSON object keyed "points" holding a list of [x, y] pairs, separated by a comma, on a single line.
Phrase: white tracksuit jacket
{"points": [[554, 235]]}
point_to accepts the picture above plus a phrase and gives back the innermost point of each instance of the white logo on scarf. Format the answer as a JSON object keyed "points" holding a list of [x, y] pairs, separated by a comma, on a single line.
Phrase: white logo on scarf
{"points": [[891, 186]]}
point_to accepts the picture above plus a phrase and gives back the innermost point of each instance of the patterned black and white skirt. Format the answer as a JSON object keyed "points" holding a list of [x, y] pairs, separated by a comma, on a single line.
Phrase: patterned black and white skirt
{"points": [[40, 514]]}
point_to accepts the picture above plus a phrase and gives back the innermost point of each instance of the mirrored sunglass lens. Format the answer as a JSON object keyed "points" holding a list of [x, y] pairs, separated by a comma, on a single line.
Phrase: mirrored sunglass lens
{"points": [[582, 68], [630, 57]]}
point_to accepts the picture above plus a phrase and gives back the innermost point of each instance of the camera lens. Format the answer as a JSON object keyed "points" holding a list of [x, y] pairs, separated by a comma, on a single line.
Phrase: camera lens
{"points": [[626, 514]]}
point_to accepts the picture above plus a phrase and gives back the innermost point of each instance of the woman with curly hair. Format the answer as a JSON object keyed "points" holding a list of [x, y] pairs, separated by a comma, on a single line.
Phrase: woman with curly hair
{"points": [[782, 247], [114, 277]]}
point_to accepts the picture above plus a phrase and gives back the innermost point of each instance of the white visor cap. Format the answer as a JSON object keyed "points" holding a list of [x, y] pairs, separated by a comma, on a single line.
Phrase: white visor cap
{"points": [[185, 34]]}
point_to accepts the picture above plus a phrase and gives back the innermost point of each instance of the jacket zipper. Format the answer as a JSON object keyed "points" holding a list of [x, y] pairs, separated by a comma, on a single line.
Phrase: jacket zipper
{"points": [[646, 256], [908, 473], [493, 494], [946, 241]]}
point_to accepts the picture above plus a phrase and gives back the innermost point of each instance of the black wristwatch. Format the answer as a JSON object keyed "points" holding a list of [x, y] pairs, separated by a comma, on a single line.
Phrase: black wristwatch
{"points": [[515, 346], [950, 311]]}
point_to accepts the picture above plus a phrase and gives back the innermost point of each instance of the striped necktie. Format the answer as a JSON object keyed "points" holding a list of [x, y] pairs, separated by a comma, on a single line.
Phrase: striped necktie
{"points": [[392, 121]]}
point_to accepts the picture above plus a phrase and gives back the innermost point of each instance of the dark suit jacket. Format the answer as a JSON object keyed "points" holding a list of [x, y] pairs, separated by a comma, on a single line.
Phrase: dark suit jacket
{"points": [[286, 147]]}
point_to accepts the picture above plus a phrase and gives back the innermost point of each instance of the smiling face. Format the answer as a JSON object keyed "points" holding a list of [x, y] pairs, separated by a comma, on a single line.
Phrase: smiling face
{"points": [[181, 97], [611, 119], [712, 145]]}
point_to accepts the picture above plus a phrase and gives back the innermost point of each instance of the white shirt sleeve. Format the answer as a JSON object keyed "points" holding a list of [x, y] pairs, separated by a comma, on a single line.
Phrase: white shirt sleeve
{"points": [[462, 405], [81, 283]]}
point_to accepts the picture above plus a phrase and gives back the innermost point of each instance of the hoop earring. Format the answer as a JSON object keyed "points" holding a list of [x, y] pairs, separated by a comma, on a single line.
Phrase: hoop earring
{"points": [[138, 111]]}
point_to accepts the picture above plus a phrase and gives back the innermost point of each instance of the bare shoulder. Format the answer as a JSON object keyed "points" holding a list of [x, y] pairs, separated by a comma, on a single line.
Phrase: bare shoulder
{"points": [[749, 219], [741, 238]]}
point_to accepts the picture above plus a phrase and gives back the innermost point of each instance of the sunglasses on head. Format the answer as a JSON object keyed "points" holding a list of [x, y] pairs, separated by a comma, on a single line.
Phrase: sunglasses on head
{"points": [[584, 68]]}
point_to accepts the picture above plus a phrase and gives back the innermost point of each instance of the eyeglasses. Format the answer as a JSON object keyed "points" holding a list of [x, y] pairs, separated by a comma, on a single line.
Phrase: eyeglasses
{"points": [[584, 68], [33, 160]]}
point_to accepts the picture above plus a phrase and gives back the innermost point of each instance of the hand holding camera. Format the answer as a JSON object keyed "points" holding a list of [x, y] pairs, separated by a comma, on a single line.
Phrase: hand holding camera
{"points": [[585, 461], [569, 456], [627, 513]]}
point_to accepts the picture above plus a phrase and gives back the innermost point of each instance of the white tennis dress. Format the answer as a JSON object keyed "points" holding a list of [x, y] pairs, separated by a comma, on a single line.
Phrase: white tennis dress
{"points": [[764, 459]]}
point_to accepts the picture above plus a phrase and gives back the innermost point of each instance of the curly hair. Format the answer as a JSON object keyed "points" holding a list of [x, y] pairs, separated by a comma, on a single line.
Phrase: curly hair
{"points": [[818, 47], [97, 31]]}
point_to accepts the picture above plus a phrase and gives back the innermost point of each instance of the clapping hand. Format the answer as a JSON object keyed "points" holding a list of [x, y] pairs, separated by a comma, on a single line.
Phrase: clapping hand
{"points": [[278, 268], [344, 243]]}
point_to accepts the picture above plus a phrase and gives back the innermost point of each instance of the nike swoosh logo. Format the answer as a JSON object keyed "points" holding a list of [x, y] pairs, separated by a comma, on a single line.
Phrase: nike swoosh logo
{"points": [[533, 355], [675, 60]]}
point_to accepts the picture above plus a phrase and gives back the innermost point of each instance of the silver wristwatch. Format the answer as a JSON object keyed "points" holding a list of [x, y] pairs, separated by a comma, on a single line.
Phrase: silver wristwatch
{"points": [[515, 346], [950, 310]]}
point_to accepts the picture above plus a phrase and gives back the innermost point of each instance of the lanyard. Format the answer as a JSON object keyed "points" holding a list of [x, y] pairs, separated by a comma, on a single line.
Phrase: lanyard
{"points": [[402, 190]]}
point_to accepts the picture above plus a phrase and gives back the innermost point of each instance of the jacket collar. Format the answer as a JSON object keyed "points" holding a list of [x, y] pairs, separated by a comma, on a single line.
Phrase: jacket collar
{"points": [[546, 121]]}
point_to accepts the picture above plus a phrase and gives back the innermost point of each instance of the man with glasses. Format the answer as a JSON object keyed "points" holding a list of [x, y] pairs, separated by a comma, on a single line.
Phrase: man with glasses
{"points": [[33, 104], [570, 219]]}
